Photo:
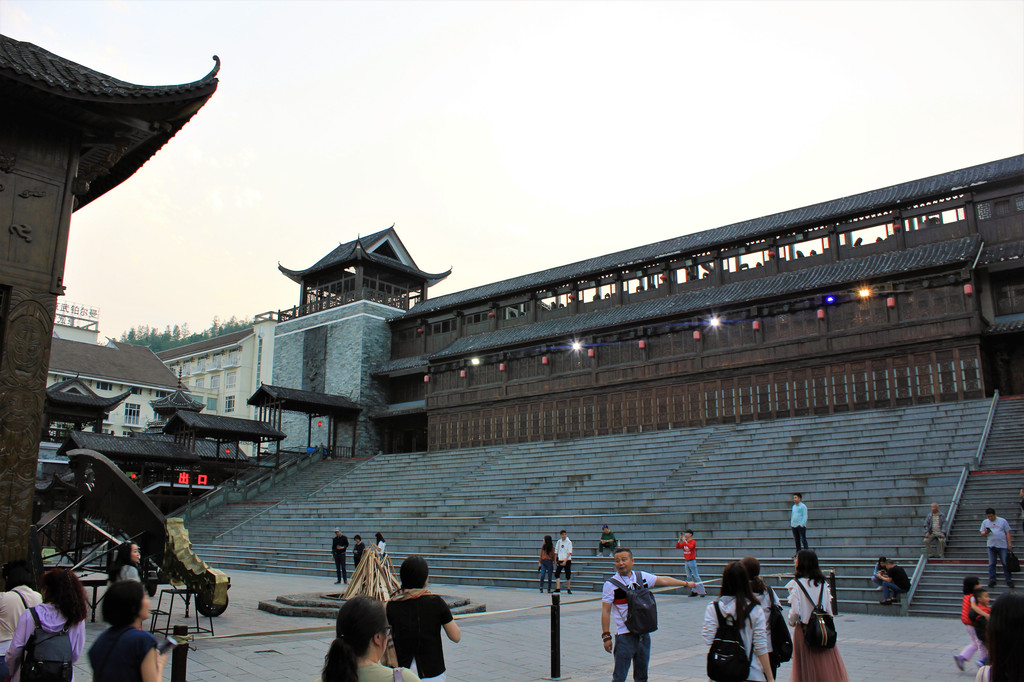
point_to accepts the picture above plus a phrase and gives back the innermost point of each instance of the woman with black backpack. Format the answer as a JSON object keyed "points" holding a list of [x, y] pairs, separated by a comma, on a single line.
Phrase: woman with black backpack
{"points": [[735, 627], [780, 645], [814, 658]]}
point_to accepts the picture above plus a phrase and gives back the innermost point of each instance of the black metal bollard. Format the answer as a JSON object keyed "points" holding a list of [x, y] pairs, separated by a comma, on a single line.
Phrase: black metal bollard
{"points": [[832, 588], [179, 657], [556, 637]]}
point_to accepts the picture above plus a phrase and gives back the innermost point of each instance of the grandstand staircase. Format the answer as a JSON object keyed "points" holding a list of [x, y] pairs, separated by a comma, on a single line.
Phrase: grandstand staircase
{"points": [[478, 514], [995, 483]]}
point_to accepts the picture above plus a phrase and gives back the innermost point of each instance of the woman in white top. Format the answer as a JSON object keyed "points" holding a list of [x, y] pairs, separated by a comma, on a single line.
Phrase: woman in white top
{"points": [[126, 564], [381, 545], [764, 595], [811, 665], [738, 599]]}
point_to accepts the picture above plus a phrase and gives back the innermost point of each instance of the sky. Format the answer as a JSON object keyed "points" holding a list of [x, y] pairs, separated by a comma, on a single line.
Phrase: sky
{"points": [[503, 138]]}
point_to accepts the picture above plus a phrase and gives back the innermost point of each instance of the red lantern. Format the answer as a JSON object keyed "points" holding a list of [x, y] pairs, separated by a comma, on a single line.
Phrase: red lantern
{"points": [[663, 277], [821, 314], [590, 352], [642, 344], [757, 325], [968, 290], [544, 360], [501, 367], [462, 373], [890, 302], [490, 314], [426, 378], [696, 335], [419, 330]]}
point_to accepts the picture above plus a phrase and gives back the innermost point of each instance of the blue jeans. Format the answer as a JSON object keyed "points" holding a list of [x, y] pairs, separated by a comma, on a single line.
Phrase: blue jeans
{"points": [[1002, 553], [547, 568], [891, 589], [691, 571], [635, 649]]}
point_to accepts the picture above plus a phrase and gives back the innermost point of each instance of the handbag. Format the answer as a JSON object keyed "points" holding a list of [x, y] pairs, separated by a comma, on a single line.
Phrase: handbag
{"points": [[1012, 563], [820, 628]]}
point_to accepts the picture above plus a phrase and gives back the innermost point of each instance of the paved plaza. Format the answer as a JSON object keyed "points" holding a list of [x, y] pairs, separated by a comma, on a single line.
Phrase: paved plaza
{"points": [[253, 645]]}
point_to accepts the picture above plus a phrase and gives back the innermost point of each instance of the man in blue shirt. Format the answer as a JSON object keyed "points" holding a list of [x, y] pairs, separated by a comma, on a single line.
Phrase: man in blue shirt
{"points": [[798, 522], [999, 545]]}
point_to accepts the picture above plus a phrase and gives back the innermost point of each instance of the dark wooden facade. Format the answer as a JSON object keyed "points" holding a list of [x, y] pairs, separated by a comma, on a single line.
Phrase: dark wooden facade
{"points": [[67, 136], [938, 262]]}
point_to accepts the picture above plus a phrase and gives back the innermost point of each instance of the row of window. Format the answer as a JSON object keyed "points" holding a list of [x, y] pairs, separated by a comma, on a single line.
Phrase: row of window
{"points": [[230, 381], [921, 379]]}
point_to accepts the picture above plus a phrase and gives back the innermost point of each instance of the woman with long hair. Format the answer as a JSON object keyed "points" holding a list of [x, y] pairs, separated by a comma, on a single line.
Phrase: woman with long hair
{"points": [[417, 618], [546, 564], [362, 638], [811, 665], [765, 597], [126, 563], [64, 604], [1005, 634], [125, 651], [381, 544], [740, 604]]}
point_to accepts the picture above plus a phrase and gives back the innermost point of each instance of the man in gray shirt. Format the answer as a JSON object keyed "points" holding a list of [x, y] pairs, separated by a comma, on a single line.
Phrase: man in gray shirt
{"points": [[999, 545]]}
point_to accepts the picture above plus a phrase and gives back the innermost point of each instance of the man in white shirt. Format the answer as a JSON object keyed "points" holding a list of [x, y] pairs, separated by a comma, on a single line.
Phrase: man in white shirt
{"points": [[629, 648], [563, 559], [1000, 544]]}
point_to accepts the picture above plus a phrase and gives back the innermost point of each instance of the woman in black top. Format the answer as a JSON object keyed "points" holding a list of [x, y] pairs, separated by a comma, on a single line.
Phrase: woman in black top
{"points": [[417, 618]]}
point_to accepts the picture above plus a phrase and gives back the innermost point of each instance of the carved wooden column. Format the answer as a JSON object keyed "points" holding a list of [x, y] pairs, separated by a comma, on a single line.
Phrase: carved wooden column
{"points": [[36, 167]]}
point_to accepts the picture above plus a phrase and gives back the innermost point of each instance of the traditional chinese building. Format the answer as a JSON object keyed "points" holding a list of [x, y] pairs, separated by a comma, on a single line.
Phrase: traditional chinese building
{"points": [[68, 135], [903, 295]]}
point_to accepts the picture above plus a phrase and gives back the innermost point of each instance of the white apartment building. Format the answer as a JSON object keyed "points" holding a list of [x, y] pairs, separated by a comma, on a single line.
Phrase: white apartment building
{"points": [[111, 369], [224, 371]]}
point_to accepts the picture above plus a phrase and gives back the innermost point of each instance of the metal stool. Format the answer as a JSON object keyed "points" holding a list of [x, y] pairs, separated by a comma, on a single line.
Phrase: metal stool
{"points": [[185, 595]]}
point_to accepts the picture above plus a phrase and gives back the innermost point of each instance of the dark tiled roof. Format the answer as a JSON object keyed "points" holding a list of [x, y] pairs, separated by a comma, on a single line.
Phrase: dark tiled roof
{"points": [[1006, 324], [357, 250], [179, 400], [117, 447], [120, 362], [808, 216], [151, 446], [844, 273], [310, 402], [223, 428], [59, 395], [222, 341], [34, 79], [402, 365], [998, 253]]}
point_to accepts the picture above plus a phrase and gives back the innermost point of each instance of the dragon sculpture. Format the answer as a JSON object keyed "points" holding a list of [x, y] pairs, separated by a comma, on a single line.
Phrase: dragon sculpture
{"points": [[110, 496]]}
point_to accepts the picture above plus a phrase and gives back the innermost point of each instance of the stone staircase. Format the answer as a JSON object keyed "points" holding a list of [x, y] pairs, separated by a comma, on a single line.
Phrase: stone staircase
{"points": [[995, 483], [478, 515]]}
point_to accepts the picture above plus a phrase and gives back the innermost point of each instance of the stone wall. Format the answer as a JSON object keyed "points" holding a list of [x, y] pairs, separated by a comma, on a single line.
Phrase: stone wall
{"points": [[335, 351]]}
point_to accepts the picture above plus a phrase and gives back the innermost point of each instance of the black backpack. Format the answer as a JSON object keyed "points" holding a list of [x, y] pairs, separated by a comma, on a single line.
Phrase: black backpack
{"points": [[778, 632], [820, 629], [728, 661], [642, 612], [47, 655]]}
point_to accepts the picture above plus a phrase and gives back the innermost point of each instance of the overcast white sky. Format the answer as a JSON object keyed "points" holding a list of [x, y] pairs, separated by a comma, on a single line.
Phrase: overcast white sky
{"points": [[508, 137]]}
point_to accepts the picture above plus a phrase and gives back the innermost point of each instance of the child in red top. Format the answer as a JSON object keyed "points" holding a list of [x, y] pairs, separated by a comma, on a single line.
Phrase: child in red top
{"points": [[689, 547], [970, 582]]}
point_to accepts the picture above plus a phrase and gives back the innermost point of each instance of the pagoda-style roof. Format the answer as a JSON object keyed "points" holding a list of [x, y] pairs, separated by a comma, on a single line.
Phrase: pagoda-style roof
{"points": [[74, 394], [222, 429], [122, 124], [309, 402], [178, 400], [736, 233], [383, 249]]}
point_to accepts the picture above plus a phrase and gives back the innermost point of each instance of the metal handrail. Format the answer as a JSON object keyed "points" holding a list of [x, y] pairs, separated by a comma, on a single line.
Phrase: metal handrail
{"points": [[922, 561], [954, 504], [988, 428]]}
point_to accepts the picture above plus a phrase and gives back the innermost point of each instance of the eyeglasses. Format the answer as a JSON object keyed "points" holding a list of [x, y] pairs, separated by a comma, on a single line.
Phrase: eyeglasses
{"points": [[387, 631]]}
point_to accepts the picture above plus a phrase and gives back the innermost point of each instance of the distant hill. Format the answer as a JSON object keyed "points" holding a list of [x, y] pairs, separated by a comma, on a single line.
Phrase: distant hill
{"points": [[180, 335]]}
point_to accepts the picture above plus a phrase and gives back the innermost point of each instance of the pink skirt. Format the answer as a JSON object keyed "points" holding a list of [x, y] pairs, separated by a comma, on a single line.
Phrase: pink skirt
{"points": [[815, 665]]}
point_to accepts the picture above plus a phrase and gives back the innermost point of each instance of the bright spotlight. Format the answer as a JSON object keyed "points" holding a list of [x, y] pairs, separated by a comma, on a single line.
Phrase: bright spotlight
{"points": [[475, 361], [865, 292], [576, 345], [830, 299], [714, 322]]}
